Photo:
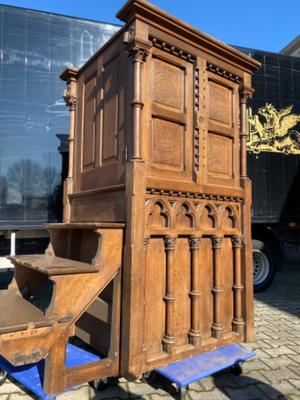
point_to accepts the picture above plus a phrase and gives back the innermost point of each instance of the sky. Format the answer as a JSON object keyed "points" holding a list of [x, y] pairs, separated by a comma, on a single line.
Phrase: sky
{"points": [[261, 24]]}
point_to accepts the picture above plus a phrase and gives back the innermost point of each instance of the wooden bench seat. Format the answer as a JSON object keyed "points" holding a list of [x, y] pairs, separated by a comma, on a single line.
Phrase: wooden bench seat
{"points": [[18, 314], [52, 265]]}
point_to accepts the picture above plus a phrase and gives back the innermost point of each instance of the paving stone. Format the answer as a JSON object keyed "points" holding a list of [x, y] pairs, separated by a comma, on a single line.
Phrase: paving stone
{"points": [[113, 392], [277, 375], [251, 378], [279, 362], [9, 387], [145, 389], [257, 364], [158, 397], [18, 396], [296, 383], [248, 393], [211, 395], [281, 350], [207, 383], [279, 389]]}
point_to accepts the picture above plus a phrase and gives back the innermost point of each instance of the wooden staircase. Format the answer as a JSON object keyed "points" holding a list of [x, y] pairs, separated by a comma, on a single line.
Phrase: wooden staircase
{"points": [[50, 293]]}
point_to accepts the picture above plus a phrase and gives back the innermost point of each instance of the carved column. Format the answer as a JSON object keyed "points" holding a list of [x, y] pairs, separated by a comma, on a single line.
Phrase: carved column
{"points": [[146, 247], [195, 333], [218, 289], [237, 323], [169, 337], [139, 51], [70, 97], [245, 94]]}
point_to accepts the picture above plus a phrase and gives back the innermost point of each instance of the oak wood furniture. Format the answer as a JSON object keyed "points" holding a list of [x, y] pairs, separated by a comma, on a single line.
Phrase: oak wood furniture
{"points": [[153, 261]]}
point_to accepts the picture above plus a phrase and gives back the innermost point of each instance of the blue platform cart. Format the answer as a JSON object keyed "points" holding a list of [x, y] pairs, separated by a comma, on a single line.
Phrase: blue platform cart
{"points": [[190, 370], [31, 376], [182, 373]]}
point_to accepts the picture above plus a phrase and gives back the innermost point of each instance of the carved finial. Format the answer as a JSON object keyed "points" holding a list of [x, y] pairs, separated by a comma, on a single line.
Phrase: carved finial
{"points": [[69, 98], [70, 94]]}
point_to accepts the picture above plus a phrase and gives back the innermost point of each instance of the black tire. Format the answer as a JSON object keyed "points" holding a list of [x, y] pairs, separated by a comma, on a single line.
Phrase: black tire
{"points": [[237, 369], [3, 376], [264, 267], [100, 384]]}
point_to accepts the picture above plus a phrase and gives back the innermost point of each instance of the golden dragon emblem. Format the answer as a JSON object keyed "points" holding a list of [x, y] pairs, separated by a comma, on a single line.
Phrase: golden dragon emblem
{"points": [[272, 130]]}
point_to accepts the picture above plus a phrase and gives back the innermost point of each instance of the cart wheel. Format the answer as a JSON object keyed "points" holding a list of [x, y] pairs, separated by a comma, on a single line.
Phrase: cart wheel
{"points": [[148, 377], [182, 392], [237, 369], [3, 376], [100, 384]]}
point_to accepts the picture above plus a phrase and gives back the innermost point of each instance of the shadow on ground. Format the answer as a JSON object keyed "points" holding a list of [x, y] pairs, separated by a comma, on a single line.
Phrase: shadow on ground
{"points": [[284, 292], [230, 387]]}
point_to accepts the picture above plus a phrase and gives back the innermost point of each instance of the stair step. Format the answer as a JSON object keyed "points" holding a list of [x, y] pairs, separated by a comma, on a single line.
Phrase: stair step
{"points": [[18, 314], [52, 265]]}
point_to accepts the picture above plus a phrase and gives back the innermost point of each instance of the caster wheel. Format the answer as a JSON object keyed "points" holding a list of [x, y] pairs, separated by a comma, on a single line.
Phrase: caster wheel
{"points": [[3, 376], [237, 369], [148, 377], [100, 384]]}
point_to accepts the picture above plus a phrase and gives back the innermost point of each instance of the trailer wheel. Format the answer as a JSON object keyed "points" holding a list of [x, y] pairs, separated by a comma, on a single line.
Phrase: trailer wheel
{"points": [[3, 376], [263, 265]]}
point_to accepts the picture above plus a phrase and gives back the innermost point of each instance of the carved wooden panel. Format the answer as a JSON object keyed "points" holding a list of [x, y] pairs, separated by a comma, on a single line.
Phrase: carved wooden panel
{"points": [[110, 110], [220, 104], [188, 291], [186, 215], [155, 276], [168, 84], [170, 88], [100, 122], [219, 157], [89, 122], [168, 144]]}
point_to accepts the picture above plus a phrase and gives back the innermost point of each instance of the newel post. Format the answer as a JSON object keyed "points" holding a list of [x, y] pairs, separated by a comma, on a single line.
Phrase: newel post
{"points": [[70, 96]]}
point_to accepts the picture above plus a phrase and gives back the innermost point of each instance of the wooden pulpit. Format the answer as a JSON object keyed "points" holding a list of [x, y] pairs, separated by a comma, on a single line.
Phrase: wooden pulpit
{"points": [[153, 261]]}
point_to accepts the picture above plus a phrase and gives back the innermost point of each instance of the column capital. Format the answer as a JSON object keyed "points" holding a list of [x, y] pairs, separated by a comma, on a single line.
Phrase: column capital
{"points": [[194, 241], [170, 243], [245, 94], [217, 242], [138, 50], [237, 241]]}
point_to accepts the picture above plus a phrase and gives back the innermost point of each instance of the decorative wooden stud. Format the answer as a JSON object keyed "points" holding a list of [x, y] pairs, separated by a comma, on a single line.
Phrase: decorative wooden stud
{"points": [[195, 333], [169, 337], [238, 322], [217, 326]]}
